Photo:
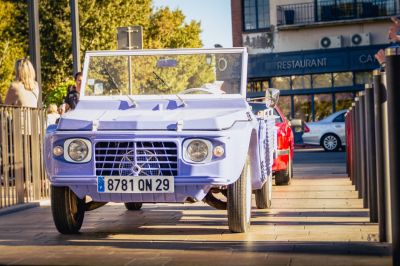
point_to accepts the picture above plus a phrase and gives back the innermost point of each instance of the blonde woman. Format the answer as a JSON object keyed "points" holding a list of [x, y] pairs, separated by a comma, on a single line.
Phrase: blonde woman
{"points": [[24, 90], [52, 114]]}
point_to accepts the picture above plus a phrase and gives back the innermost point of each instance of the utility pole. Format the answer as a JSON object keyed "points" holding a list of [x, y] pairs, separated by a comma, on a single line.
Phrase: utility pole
{"points": [[129, 38], [75, 36], [34, 43]]}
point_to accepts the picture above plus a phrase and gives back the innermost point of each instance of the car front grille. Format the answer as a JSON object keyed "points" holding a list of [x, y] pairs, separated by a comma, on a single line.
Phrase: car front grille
{"points": [[136, 158]]}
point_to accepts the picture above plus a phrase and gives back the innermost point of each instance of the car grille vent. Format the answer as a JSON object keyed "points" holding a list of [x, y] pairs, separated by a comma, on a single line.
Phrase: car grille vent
{"points": [[139, 158]]}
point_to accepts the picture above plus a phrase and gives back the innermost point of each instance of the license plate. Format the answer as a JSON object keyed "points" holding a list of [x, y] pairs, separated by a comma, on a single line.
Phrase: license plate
{"points": [[135, 184]]}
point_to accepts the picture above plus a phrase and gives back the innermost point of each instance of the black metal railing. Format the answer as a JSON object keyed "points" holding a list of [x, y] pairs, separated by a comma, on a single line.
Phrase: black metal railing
{"points": [[334, 10]]}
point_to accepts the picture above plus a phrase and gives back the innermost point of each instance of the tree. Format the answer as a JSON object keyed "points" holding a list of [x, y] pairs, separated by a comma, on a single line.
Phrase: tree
{"points": [[12, 41], [168, 29], [99, 19]]}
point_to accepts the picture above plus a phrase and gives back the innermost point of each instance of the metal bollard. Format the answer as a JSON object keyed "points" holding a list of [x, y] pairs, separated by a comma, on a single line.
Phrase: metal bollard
{"points": [[393, 95], [363, 154], [353, 144], [346, 130], [348, 143], [371, 153], [357, 146], [385, 136], [380, 154]]}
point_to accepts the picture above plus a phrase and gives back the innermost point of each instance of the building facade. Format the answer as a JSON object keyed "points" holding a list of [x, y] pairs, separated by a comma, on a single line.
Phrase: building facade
{"points": [[319, 53]]}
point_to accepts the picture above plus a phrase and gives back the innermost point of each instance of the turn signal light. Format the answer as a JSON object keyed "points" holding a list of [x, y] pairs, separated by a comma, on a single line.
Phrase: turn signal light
{"points": [[58, 151], [306, 128], [219, 151]]}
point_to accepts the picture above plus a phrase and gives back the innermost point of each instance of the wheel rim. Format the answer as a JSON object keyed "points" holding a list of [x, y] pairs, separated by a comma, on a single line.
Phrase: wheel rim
{"points": [[330, 142], [73, 205]]}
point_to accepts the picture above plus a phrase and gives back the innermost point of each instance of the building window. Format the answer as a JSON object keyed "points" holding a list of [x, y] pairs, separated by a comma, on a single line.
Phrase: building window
{"points": [[285, 104], [302, 107], [322, 80], [349, 9], [301, 82], [363, 77], [322, 106], [257, 86], [343, 79], [343, 100], [256, 14], [281, 83]]}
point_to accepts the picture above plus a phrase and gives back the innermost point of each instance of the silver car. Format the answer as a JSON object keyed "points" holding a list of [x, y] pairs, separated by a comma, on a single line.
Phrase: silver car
{"points": [[328, 132]]}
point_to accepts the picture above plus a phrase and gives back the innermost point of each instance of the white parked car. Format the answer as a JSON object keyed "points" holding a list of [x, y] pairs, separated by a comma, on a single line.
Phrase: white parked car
{"points": [[328, 132]]}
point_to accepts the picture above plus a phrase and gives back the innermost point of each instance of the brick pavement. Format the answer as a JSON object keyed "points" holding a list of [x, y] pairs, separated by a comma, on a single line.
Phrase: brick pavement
{"points": [[314, 221]]}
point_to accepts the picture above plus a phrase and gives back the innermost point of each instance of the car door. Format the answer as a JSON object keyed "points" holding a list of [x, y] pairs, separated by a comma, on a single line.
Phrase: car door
{"points": [[339, 127]]}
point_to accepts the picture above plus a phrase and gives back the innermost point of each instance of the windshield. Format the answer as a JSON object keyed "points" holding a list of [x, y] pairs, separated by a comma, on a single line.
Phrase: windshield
{"points": [[119, 73]]}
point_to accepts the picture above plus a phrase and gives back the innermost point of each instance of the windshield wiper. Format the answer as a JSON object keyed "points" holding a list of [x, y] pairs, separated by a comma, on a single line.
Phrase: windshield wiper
{"points": [[165, 83], [111, 78], [161, 79]]}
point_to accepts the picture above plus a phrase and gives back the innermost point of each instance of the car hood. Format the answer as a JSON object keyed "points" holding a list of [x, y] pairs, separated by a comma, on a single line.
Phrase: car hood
{"points": [[194, 114]]}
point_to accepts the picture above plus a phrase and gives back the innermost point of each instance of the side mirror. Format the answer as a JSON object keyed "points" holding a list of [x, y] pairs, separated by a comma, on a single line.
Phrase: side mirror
{"points": [[296, 123], [271, 97]]}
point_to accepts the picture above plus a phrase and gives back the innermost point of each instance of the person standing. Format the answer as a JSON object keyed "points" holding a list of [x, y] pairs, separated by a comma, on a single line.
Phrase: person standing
{"points": [[72, 97], [52, 114], [24, 90]]}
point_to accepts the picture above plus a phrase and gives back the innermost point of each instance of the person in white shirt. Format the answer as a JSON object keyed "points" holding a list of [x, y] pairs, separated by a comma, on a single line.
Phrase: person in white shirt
{"points": [[52, 114]]}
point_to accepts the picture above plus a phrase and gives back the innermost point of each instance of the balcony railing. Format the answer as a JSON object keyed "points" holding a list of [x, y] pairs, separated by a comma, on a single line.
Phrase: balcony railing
{"points": [[334, 10], [22, 174]]}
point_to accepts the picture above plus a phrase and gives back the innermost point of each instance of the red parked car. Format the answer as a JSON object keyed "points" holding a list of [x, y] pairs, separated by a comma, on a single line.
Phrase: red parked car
{"points": [[283, 162]]}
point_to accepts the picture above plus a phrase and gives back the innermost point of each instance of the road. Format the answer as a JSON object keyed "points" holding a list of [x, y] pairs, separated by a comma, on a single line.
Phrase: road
{"points": [[317, 220], [316, 162]]}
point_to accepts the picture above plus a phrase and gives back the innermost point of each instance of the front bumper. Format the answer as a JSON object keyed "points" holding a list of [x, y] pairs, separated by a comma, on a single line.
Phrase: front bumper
{"points": [[281, 161], [185, 187]]}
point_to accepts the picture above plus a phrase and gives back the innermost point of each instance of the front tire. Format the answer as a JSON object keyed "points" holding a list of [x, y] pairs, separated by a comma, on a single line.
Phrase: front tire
{"points": [[133, 206], [284, 177], [239, 202], [330, 142], [68, 210], [264, 195]]}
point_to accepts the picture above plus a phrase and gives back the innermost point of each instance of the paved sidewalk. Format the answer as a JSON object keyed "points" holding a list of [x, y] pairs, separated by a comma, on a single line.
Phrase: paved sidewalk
{"points": [[314, 221]]}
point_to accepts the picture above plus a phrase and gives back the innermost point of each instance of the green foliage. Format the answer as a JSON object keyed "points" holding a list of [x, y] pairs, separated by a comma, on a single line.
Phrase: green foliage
{"points": [[111, 74], [99, 19], [12, 45], [57, 94], [168, 30]]}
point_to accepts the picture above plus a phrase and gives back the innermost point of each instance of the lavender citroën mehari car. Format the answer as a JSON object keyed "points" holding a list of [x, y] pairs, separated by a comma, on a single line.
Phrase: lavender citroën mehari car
{"points": [[156, 126]]}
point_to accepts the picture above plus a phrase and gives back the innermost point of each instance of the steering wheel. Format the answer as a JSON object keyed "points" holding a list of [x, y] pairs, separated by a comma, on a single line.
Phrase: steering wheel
{"points": [[206, 90]]}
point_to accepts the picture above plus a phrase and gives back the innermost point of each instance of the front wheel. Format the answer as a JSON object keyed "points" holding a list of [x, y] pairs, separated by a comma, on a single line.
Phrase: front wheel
{"points": [[133, 206], [264, 195], [330, 142], [239, 202], [68, 210]]}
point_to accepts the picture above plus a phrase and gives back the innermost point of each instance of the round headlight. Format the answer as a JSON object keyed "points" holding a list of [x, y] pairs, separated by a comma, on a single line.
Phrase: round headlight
{"points": [[197, 151], [78, 150]]}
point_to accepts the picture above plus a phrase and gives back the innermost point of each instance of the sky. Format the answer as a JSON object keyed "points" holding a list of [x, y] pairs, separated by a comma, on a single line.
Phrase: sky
{"points": [[214, 15]]}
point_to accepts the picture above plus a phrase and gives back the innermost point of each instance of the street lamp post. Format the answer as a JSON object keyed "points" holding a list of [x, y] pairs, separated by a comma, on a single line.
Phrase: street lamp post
{"points": [[34, 42], [75, 35]]}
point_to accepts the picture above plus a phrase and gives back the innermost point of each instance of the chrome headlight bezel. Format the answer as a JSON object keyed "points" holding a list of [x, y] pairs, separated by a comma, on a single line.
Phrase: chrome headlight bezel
{"points": [[189, 158], [88, 146]]}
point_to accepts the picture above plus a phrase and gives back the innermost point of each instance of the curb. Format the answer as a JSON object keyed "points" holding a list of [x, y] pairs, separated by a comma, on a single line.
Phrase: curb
{"points": [[19, 207]]}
